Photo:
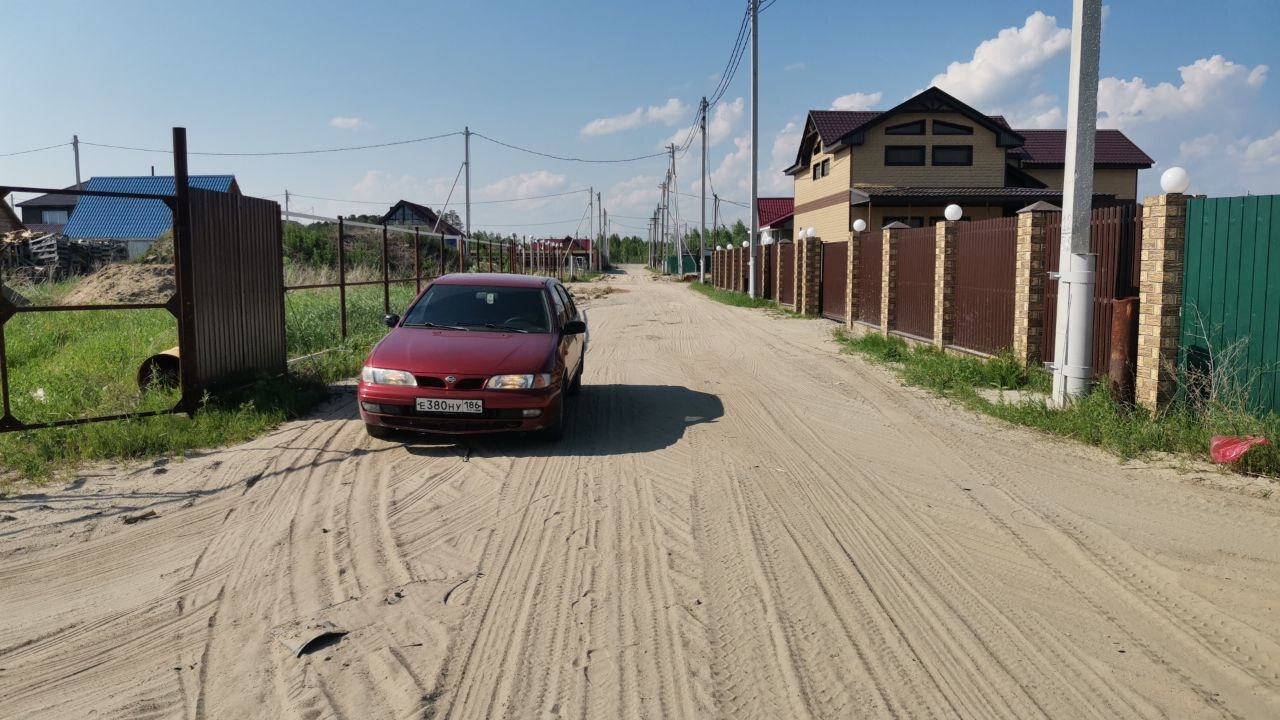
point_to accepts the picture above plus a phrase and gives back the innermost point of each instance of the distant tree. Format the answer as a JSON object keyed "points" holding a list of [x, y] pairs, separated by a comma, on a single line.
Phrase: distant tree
{"points": [[451, 217]]}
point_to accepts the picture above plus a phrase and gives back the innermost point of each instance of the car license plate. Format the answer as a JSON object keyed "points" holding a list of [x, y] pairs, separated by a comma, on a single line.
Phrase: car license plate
{"points": [[441, 405]]}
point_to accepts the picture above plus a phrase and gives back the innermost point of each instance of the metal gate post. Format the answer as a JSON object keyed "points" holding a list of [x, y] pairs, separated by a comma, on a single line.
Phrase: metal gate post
{"points": [[184, 273], [386, 278], [417, 259], [342, 279]]}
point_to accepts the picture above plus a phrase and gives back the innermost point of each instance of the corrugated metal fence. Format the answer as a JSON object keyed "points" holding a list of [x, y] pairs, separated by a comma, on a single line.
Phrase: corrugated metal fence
{"points": [[1231, 295], [835, 279], [985, 257], [870, 277], [1115, 236], [917, 248]]}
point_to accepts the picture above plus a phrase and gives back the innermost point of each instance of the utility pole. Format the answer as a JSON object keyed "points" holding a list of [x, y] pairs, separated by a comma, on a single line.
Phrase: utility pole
{"points": [[665, 212], [591, 211], [702, 238], [286, 203], [1073, 346], [755, 145], [600, 229], [75, 147], [466, 161]]}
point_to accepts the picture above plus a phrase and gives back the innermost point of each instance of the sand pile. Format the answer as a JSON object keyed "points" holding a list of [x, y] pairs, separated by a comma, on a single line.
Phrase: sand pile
{"points": [[124, 283]]}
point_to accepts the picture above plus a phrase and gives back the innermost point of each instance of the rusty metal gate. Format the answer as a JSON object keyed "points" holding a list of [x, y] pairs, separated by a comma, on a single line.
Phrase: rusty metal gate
{"points": [[835, 280], [1115, 237], [870, 250], [985, 257], [917, 250], [227, 303], [786, 274]]}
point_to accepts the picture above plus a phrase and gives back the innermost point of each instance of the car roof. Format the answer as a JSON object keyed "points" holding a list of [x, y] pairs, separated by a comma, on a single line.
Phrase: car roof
{"points": [[493, 280]]}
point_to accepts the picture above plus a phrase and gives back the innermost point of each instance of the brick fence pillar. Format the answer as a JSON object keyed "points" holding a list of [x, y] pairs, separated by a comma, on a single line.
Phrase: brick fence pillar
{"points": [[852, 290], [809, 301], [944, 284], [889, 276], [1164, 239], [1030, 274]]}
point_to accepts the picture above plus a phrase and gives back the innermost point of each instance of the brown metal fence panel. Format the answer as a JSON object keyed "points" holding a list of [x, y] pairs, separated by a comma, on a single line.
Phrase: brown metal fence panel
{"points": [[985, 255], [917, 250], [237, 287], [764, 274], [1115, 236], [835, 280], [787, 274], [870, 258]]}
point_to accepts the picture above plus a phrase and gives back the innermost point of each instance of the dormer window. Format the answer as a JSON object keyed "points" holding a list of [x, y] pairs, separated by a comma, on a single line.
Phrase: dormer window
{"points": [[911, 128], [942, 127]]}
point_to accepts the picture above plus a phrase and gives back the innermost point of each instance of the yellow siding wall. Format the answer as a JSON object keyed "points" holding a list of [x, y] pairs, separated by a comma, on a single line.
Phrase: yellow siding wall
{"points": [[988, 158], [1121, 183], [830, 222]]}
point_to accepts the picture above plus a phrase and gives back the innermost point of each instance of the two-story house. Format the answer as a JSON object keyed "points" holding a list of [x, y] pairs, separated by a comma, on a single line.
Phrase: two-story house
{"points": [[908, 163]]}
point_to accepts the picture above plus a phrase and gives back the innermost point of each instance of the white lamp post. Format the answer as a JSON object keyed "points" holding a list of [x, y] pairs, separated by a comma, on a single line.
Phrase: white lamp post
{"points": [[746, 243], [953, 212], [1175, 180], [859, 225]]}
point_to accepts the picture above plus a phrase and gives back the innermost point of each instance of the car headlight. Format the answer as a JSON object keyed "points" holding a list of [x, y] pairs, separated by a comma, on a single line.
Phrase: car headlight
{"points": [[379, 376], [518, 382]]}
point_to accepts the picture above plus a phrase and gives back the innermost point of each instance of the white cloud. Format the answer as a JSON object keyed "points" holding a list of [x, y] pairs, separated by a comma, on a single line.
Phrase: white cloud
{"points": [[1221, 166], [634, 196], [538, 182], [856, 101], [1205, 82], [1001, 65], [348, 123], [794, 67], [670, 113], [385, 187], [785, 143], [1265, 151], [724, 118]]}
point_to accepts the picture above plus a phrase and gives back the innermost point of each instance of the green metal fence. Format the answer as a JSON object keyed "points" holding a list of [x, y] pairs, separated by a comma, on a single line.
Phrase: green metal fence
{"points": [[1231, 293]]}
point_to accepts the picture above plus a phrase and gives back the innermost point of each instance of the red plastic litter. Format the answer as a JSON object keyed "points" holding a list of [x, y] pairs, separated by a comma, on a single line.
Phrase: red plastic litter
{"points": [[1226, 449]]}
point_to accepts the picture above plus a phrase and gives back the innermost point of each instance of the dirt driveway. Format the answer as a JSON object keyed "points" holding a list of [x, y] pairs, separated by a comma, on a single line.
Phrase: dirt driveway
{"points": [[741, 523]]}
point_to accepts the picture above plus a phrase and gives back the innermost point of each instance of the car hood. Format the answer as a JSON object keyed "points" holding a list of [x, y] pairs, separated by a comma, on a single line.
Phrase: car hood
{"points": [[438, 352]]}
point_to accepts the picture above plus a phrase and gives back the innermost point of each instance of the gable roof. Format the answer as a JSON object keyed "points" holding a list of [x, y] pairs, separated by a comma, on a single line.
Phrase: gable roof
{"points": [[113, 217], [1048, 148], [54, 199], [8, 218], [772, 209], [426, 215]]}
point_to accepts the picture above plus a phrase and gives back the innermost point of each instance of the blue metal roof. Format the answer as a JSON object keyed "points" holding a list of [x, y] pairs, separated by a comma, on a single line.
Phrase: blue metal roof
{"points": [[110, 217]]}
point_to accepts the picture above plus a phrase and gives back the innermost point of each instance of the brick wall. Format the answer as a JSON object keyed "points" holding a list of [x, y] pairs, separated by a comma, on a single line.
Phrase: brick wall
{"points": [[851, 289], [888, 279], [1029, 284], [1164, 238], [944, 285], [809, 270]]}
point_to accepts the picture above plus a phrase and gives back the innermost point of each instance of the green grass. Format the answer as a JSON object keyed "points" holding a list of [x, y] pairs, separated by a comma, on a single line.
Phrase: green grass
{"points": [[1096, 419], [733, 297], [74, 364]]}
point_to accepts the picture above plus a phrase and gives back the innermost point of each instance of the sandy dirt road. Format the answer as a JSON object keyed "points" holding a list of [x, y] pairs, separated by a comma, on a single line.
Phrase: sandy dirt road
{"points": [[741, 523]]}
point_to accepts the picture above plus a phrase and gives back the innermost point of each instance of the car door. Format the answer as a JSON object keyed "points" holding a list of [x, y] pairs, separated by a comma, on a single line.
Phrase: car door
{"points": [[564, 350], [575, 343]]}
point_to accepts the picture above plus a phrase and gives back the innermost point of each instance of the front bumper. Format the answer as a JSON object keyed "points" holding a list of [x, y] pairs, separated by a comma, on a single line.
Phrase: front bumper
{"points": [[504, 411]]}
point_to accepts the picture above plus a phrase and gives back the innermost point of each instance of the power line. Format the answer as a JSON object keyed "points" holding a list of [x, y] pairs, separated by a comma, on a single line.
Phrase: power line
{"points": [[568, 159], [33, 150], [280, 152], [529, 224]]}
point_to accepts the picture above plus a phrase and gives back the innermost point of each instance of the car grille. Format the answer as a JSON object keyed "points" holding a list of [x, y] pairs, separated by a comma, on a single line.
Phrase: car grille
{"points": [[453, 422], [409, 411], [433, 381]]}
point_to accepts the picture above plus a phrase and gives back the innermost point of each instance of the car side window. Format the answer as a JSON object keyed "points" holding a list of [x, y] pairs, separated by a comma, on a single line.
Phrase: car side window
{"points": [[568, 302], [560, 307]]}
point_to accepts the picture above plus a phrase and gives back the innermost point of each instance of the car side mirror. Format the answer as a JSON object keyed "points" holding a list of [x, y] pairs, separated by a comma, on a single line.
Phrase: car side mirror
{"points": [[391, 320], [574, 327]]}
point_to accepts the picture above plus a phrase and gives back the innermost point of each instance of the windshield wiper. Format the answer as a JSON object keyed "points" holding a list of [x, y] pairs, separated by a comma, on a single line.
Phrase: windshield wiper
{"points": [[434, 325], [495, 326]]}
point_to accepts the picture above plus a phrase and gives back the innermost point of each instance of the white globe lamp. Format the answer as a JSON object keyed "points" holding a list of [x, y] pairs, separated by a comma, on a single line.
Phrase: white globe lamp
{"points": [[746, 243], [953, 212], [810, 232], [859, 225], [1175, 180]]}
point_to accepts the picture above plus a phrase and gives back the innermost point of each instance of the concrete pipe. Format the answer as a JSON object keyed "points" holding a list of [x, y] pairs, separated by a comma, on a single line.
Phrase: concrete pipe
{"points": [[159, 370]]}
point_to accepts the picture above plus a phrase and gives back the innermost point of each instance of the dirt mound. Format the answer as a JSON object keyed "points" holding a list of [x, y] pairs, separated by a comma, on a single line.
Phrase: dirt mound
{"points": [[592, 291], [124, 283]]}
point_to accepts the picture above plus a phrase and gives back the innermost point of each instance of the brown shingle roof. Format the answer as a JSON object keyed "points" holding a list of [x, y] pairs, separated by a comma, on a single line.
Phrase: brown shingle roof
{"points": [[772, 209], [1047, 148], [835, 124], [54, 199]]}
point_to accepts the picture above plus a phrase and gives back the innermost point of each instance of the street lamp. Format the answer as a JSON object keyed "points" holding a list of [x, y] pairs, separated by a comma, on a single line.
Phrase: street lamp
{"points": [[953, 212], [859, 225], [1175, 180]]}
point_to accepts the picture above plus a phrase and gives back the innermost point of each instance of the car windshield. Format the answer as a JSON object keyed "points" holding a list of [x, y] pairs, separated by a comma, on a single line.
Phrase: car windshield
{"points": [[483, 308]]}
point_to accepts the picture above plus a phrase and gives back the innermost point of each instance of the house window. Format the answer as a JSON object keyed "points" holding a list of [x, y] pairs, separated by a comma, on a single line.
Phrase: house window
{"points": [[911, 128], [54, 217], [904, 155], [822, 169], [942, 127], [952, 154], [915, 221]]}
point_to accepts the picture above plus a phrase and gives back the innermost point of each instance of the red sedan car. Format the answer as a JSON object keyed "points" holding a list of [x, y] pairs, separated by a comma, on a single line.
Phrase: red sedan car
{"points": [[477, 353]]}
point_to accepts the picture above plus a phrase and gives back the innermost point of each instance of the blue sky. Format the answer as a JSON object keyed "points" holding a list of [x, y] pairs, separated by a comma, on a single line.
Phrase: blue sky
{"points": [[1192, 84]]}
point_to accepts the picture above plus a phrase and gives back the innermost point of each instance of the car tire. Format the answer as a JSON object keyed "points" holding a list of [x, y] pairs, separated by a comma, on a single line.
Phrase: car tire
{"points": [[380, 432]]}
